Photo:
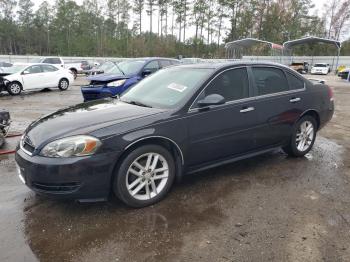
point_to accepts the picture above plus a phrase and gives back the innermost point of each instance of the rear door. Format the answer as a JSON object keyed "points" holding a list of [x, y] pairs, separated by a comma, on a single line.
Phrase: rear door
{"points": [[224, 130], [278, 105], [50, 75]]}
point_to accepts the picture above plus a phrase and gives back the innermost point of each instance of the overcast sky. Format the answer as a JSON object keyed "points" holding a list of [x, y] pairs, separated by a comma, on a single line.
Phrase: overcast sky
{"points": [[318, 3], [319, 7]]}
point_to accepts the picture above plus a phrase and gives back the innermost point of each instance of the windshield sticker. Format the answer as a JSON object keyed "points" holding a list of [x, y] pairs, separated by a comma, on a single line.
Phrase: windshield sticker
{"points": [[177, 87]]}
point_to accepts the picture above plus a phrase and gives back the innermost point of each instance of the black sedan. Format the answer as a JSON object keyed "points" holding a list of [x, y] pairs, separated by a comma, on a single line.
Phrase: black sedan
{"points": [[178, 121]]}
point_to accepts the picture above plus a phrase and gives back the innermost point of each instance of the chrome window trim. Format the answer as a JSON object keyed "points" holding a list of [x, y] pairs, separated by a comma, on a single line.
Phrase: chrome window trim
{"points": [[228, 69], [163, 137], [252, 98]]}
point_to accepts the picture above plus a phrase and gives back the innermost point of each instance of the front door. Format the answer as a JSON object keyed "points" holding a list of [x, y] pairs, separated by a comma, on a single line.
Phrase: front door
{"points": [[32, 78], [224, 130]]}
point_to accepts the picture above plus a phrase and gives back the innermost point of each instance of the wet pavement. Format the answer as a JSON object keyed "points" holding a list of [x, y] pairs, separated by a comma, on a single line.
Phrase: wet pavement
{"points": [[268, 208]]}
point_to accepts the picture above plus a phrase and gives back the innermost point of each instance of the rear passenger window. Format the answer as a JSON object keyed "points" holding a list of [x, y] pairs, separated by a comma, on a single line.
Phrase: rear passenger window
{"points": [[232, 85], [35, 69], [269, 80], [164, 63], [294, 82], [152, 66]]}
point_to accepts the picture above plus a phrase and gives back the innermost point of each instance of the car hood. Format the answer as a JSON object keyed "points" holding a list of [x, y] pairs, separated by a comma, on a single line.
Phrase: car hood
{"points": [[4, 74], [85, 118], [107, 77]]}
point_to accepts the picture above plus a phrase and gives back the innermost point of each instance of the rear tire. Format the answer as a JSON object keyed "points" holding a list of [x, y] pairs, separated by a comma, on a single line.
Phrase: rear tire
{"points": [[63, 84], [303, 137], [14, 88], [145, 176]]}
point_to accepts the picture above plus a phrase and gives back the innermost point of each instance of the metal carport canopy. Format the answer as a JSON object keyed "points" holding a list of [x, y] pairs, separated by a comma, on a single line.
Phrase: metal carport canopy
{"points": [[311, 40], [248, 42]]}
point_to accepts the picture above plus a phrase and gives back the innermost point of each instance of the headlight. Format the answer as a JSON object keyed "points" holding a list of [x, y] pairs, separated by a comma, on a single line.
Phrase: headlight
{"points": [[71, 146], [117, 83]]}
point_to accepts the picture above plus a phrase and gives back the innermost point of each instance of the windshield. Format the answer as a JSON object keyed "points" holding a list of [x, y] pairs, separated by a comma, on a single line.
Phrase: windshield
{"points": [[320, 65], [114, 70], [131, 67], [14, 69], [106, 66], [167, 88]]}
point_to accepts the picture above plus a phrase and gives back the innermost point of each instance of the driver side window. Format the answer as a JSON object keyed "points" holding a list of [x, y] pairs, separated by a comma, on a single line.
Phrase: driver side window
{"points": [[34, 69], [152, 66], [232, 84]]}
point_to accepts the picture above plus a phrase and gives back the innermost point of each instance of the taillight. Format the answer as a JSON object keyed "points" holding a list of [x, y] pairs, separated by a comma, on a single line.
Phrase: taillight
{"points": [[330, 93]]}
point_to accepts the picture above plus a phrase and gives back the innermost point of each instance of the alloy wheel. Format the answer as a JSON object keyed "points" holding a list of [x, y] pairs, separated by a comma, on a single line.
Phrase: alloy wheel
{"points": [[305, 136], [147, 176], [15, 88], [64, 84]]}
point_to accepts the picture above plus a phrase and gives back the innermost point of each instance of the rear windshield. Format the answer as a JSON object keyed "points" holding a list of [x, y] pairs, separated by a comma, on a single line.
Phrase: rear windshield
{"points": [[320, 65]]}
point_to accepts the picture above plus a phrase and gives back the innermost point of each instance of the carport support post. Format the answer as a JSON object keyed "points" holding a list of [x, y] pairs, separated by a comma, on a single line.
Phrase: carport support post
{"points": [[336, 66]]}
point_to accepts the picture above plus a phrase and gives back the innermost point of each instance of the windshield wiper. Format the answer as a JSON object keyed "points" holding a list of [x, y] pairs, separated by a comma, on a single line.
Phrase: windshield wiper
{"points": [[136, 103], [120, 69]]}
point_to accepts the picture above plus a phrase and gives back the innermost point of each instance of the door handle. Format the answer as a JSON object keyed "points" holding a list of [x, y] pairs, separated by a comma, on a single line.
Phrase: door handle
{"points": [[295, 100], [247, 109]]}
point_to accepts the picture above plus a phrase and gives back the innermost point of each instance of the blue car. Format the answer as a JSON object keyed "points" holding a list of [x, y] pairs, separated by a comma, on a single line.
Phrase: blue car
{"points": [[123, 76]]}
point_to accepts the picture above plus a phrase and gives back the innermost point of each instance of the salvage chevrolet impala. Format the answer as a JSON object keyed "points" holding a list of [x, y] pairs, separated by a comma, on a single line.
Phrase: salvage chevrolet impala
{"points": [[177, 121]]}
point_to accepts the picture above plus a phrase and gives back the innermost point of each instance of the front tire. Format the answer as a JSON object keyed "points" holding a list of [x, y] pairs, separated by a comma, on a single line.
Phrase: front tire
{"points": [[14, 88], [303, 137], [145, 176], [63, 84]]}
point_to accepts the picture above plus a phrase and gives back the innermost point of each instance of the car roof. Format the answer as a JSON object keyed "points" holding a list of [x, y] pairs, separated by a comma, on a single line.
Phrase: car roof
{"points": [[147, 59], [218, 66]]}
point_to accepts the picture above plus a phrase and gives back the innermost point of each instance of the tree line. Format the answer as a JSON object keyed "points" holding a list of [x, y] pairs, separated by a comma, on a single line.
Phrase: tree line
{"points": [[192, 28]]}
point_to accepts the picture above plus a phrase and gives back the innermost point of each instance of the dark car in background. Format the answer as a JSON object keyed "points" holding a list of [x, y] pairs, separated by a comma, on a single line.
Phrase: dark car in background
{"points": [[124, 75], [102, 68], [180, 120]]}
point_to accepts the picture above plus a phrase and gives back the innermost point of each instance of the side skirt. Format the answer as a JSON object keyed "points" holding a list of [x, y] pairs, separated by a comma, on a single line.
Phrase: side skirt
{"points": [[192, 170]]}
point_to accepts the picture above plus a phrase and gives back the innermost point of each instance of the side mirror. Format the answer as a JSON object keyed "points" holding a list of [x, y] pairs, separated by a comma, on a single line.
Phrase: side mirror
{"points": [[25, 72], [210, 100], [146, 72]]}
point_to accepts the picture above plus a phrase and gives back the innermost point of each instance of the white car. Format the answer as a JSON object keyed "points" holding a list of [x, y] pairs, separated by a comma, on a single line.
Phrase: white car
{"points": [[320, 69], [21, 77], [75, 67]]}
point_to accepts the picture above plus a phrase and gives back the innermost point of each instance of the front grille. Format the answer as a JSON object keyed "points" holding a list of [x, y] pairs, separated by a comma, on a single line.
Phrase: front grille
{"points": [[92, 96], [56, 188]]}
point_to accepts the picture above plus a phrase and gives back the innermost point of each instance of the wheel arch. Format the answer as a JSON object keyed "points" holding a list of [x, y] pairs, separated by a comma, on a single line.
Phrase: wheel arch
{"points": [[73, 70], [64, 78], [16, 81], [169, 144], [314, 114]]}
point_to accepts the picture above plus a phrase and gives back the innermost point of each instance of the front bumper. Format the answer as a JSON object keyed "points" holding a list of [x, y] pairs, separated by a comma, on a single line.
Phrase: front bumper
{"points": [[319, 72], [99, 92], [93, 93], [79, 178]]}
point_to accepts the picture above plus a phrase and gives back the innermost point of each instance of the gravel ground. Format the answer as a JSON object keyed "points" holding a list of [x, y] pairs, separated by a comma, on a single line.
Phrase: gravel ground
{"points": [[268, 208]]}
